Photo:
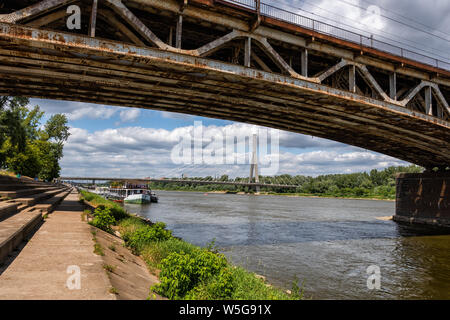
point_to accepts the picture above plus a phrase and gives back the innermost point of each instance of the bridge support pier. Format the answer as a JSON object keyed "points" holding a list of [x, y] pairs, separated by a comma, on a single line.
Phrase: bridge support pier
{"points": [[423, 198]]}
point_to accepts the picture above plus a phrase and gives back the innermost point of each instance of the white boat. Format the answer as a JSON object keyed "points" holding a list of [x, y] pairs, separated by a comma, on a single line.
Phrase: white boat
{"points": [[131, 193], [138, 198]]}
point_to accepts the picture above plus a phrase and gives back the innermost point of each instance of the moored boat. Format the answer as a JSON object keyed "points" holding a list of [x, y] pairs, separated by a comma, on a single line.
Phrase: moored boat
{"points": [[128, 193], [138, 198]]}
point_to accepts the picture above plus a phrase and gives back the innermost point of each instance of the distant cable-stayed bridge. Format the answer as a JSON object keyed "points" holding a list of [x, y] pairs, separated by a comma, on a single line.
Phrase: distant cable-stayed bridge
{"points": [[180, 181]]}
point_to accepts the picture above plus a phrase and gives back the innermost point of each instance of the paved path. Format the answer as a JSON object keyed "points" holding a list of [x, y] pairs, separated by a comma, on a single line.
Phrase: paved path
{"points": [[40, 269]]}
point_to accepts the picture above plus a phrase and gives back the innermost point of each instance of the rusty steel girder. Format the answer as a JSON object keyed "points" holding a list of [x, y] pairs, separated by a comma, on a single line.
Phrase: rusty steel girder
{"points": [[101, 71], [342, 100]]}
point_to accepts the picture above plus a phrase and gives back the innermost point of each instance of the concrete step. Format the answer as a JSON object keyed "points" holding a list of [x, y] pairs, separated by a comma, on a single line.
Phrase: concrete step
{"points": [[49, 205], [16, 229], [7, 209], [20, 186], [21, 207], [9, 180], [36, 198], [22, 193]]}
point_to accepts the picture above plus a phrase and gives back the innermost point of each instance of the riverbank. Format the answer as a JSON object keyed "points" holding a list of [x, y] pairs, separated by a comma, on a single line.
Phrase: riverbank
{"points": [[327, 196], [185, 271]]}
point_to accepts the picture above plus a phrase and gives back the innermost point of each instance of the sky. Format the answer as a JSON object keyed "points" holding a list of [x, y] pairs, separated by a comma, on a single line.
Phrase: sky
{"points": [[128, 142]]}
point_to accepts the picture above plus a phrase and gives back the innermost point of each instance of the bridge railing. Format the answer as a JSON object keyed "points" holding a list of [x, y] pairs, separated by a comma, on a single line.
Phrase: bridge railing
{"points": [[341, 33]]}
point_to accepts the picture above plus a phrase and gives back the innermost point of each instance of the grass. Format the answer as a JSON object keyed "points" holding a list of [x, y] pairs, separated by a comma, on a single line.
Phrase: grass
{"points": [[113, 290], [97, 200], [84, 214], [98, 249], [155, 252], [109, 268]]}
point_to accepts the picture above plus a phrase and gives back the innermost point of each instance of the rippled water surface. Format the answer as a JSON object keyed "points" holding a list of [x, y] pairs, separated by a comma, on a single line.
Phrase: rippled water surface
{"points": [[327, 243]]}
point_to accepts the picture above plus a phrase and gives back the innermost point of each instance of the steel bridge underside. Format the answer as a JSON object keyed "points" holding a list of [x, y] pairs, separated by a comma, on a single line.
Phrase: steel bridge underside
{"points": [[53, 64]]}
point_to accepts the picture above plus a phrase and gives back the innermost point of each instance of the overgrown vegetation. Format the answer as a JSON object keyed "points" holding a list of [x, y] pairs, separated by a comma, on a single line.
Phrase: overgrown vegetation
{"points": [[374, 184], [186, 271], [98, 249], [191, 272], [28, 147], [115, 210], [103, 219], [106, 213], [143, 235]]}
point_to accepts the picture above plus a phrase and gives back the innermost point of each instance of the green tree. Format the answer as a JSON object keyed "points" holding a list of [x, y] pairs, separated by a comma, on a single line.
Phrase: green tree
{"points": [[26, 147], [56, 128], [26, 162], [11, 128]]}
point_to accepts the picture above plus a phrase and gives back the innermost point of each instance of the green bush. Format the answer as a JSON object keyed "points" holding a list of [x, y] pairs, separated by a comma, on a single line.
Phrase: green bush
{"points": [[181, 272], [103, 219], [118, 213], [220, 287], [146, 234], [155, 252]]}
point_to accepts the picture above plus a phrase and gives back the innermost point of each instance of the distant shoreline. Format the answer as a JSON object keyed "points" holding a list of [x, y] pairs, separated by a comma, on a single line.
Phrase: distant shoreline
{"points": [[293, 195]]}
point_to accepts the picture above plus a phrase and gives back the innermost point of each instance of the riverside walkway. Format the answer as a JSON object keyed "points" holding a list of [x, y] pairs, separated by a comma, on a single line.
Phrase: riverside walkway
{"points": [[40, 270]]}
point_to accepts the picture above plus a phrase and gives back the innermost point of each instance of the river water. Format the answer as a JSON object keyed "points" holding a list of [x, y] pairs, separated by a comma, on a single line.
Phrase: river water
{"points": [[328, 244]]}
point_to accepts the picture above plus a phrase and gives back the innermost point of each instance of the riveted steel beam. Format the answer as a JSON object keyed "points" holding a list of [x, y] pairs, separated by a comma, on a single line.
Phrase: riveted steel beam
{"points": [[341, 64], [109, 18], [179, 31], [248, 52], [217, 44], [393, 86], [33, 10], [47, 19], [292, 38], [137, 24], [93, 20], [45, 38], [276, 58], [373, 83], [428, 101], [304, 62], [122, 74]]}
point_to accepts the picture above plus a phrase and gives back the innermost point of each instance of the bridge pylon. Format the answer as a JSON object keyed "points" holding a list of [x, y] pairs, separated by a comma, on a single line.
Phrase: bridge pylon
{"points": [[254, 164]]}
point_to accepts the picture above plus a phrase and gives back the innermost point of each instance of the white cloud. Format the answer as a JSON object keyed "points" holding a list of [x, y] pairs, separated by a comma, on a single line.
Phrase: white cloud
{"points": [[143, 152], [89, 112], [76, 110], [130, 114]]}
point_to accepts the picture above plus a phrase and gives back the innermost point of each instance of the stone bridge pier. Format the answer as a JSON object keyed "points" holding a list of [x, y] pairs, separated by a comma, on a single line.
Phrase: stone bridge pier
{"points": [[423, 198]]}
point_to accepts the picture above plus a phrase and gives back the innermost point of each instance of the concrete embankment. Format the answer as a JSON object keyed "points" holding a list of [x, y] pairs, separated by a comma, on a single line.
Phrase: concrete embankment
{"points": [[59, 262], [62, 244]]}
